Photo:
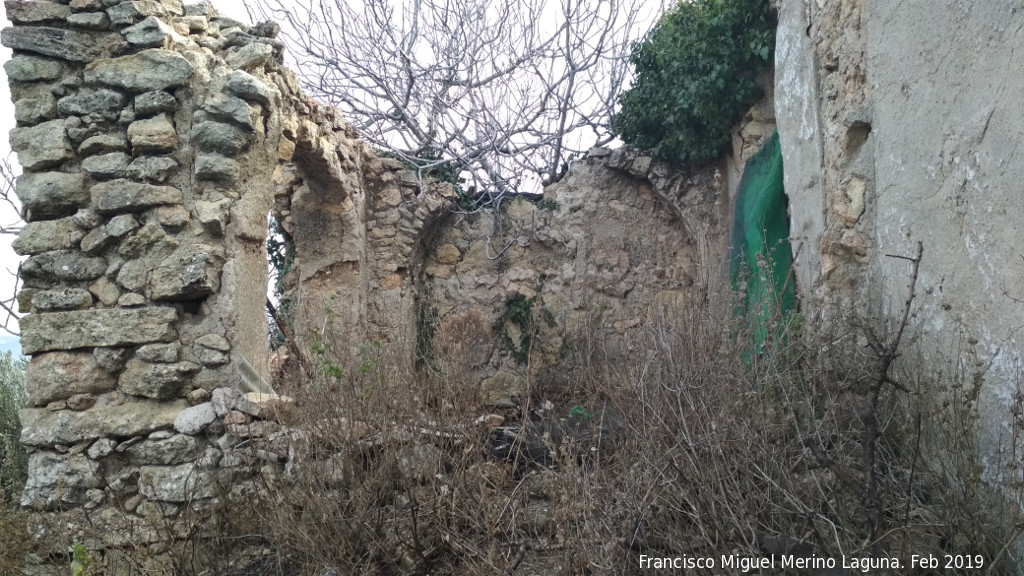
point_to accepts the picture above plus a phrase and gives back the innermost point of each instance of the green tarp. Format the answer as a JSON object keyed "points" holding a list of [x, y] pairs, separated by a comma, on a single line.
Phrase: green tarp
{"points": [[760, 256]]}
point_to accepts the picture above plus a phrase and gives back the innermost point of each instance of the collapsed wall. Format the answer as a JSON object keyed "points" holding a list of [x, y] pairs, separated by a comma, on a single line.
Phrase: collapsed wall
{"points": [[155, 137], [898, 125]]}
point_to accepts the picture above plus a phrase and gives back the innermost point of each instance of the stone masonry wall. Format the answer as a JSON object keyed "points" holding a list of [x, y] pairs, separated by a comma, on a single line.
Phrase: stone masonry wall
{"points": [[620, 242], [150, 133]]}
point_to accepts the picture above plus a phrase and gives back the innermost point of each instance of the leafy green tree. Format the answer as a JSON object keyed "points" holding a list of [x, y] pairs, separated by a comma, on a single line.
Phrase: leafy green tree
{"points": [[13, 460], [696, 74]]}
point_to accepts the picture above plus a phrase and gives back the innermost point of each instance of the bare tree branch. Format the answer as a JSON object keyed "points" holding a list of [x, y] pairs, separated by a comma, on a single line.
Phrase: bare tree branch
{"points": [[12, 224], [502, 90]]}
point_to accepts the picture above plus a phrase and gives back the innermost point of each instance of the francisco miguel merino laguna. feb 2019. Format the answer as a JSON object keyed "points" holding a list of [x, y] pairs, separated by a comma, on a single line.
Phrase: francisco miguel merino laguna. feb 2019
{"points": [[782, 561]]}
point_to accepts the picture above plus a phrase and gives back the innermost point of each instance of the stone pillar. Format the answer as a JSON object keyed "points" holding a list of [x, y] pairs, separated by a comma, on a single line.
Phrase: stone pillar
{"points": [[149, 134]]}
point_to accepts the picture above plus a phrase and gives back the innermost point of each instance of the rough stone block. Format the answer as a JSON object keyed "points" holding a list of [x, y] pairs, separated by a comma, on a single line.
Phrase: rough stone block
{"points": [[209, 357], [198, 8], [216, 168], [126, 195], [143, 244], [51, 194], [151, 168], [40, 427], [158, 381], [41, 146], [223, 400], [154, 102], [213, 215], [106, 166], [103, 143], [250, 56], [176, 449], [45, 236], [80, 402], [152, 69], [120, 225], [247, 87], [102, 447], [134, 275], [189, 273], [151, 33], [90, 20], [34, 12], [106, 102], [105, 291], [172, 216], [447, 254], [182, 483], [131, 300], [159, 353], [221, 138], [26, 68], [195, 24], [59, 479], [153, 135], [214, 341], [111, 359], [195, 419], [96, 241], [97, 327], [124, 13], [35, 110], [60, 375], [233, 110], [70, 45], [63, 265], [61, 299], [266, 406]]}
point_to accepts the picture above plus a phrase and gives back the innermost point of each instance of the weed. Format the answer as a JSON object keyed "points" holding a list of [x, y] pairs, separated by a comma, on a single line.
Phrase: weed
{"points": [[549, 204], [692, 449], [517, 320]]}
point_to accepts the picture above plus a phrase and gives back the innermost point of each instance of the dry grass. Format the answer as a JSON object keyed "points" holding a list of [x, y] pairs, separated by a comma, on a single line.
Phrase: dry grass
{"points": [[688, 449], [13, 538]]}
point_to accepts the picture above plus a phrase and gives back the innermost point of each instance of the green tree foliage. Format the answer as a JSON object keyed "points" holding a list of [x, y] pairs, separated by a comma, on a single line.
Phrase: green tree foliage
{"points": [[696, 74], [13, 460]]}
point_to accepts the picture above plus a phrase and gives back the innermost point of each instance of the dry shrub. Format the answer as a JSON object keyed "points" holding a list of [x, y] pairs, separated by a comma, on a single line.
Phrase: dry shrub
{"points": [[13, 538], [692, 446]]}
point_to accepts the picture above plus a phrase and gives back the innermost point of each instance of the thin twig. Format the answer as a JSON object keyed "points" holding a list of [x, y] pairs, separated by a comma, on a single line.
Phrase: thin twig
{"points": [[288, 338]]}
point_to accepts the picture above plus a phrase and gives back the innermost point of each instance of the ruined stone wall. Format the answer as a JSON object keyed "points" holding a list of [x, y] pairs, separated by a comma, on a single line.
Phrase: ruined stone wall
{"points": [[155, 137], [619, 242], [898, 124], [150, 135]]}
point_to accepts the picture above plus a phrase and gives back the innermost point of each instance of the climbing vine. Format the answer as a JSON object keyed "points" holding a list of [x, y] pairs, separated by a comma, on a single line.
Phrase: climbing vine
{"points": [[519, 312]]}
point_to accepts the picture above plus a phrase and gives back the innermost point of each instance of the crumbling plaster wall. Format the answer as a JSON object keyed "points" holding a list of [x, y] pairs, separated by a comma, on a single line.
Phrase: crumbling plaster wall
{"points": [[899, 124]]}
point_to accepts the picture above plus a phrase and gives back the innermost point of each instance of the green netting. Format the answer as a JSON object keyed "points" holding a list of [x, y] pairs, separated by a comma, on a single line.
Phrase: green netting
{"points": [[761, 257]]}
